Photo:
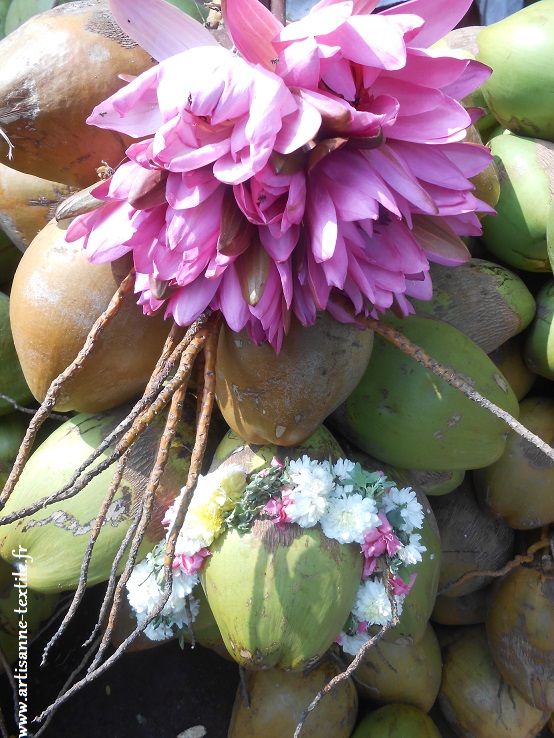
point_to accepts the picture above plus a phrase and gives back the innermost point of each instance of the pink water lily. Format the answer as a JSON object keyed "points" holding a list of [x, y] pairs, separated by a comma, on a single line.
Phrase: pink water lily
{"points": [[329, 156]]}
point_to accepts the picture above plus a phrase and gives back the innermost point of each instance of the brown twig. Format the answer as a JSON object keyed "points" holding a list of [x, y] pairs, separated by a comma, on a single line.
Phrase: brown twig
{"points": [[357, 658], [525, 558], [29, 410], [7, 668], [138, 426], [173, 418], [441, 370], [66, 685], [195, 465], [199, 448], [125, 289], [95, 532]]}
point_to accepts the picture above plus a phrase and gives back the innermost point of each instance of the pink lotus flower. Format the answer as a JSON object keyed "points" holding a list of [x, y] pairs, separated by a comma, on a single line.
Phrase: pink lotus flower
{"points": [[330, 156]]}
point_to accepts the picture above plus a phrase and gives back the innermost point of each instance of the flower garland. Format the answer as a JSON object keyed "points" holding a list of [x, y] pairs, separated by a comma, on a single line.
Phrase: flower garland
{"points": [[350, 504]]}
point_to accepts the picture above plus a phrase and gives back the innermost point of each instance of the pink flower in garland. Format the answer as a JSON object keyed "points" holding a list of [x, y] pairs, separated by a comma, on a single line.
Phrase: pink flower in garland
{"points": [[330, 156], [378, 541]]}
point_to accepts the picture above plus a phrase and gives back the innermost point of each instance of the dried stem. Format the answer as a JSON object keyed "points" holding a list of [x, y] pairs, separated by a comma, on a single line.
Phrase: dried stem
{"points": [[195, 465], [441, 370], [7, 668], [525, 558], [279, 10], [173, 417], [125, 289], [67, 684], [138, 426], [95, 532], [197, 455], [357, 658]]}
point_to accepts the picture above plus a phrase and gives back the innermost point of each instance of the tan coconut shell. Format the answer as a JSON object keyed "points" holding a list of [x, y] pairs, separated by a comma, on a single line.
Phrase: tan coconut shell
{"points": [[520, 629], [27, 204], [408, 673], [56, 297], [471, 539], [509, 359], [468, 609], [475, 699], [282, 398], [277, 700], [518, 487], [55, 68]]}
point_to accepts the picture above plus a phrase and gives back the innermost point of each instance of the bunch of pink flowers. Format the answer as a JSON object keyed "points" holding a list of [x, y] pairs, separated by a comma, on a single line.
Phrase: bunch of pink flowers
{"points": [[329, 156]]}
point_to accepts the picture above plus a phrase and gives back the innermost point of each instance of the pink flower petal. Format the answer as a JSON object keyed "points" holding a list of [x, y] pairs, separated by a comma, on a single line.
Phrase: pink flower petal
{"points": [[440, 17], [159, 27], [252, 28]]}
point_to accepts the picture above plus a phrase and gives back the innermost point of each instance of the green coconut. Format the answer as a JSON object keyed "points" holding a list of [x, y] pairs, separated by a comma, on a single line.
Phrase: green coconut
{"points": [[520, 51], [280, 598], [538, 351], [408, 673], [517, 234], [12, 381], [56, 536], [397, 721], [9, 258], [486, 301], [232, 449], [270, 703], [428, 482], [550, 235], [405, 415], [518, 486], [475, 699]]}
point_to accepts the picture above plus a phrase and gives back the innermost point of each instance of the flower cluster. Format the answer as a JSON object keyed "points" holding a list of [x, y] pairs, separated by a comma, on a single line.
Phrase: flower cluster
{"points": [[329, 156], [351, 505]]}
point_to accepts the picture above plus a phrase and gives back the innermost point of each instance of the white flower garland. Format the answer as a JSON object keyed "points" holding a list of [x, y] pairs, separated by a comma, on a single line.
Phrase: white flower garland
{"points": [[351, 506]]}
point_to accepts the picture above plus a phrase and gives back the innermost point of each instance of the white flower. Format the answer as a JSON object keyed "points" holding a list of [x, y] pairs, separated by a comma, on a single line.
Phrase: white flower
{"points": [[348, 517], [411, 553], [306, 510], [143, 591], [352, 644], [312, 478], [342, 469], [372, 603], [187, 544], [406, 502]]}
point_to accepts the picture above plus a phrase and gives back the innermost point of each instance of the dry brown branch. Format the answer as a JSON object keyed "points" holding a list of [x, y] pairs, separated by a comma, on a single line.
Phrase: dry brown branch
{"points": [[173, 418], [195, 465], [4, 663], [357, 658], [95, 532], [441, 370], [140, 423], [46, 407]]}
